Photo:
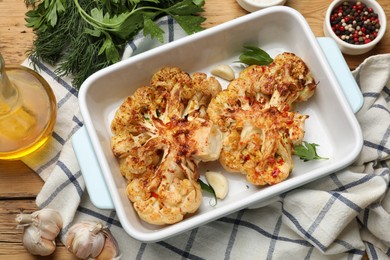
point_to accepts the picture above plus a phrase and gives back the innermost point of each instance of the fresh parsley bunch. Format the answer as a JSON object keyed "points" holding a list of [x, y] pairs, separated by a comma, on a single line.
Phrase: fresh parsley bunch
{"points": [[83, 36]]}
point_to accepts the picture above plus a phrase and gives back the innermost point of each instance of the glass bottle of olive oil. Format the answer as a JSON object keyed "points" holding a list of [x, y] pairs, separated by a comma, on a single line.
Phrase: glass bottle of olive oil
{"points": [[27, 111]]}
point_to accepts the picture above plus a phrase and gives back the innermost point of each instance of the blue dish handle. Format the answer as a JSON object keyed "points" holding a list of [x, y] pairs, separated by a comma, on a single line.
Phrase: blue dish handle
{"points": [[89, 165], [92, 174], [342, 72]]}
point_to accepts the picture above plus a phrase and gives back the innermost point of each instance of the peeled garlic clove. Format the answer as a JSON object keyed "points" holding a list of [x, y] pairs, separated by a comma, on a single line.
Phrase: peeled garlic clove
{"points": [[35, 244], [89, 239], [223, 71], [219, 183]]}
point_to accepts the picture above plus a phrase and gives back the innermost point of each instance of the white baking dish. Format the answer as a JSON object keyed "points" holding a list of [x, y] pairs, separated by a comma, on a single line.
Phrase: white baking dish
{"points": [[332, 123]]}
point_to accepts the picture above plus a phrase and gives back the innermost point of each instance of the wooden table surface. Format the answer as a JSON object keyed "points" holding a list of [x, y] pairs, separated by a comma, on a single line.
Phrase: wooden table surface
{"points": [[19, 185]]}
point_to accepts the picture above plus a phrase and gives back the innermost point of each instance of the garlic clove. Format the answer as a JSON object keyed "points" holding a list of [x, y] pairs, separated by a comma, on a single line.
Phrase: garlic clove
{"points": [[110, 249], [98, 242], [219, 183], [49, 230], [49, 222], [35, 244], [223, 71]]}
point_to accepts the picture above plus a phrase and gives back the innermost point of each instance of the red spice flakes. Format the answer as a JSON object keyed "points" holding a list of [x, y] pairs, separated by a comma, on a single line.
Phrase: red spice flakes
{"points": [[280, 161], [276, 172]]}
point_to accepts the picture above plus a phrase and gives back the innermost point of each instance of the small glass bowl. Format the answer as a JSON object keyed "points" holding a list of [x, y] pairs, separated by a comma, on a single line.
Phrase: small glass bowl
{"points": [[38, 102]]}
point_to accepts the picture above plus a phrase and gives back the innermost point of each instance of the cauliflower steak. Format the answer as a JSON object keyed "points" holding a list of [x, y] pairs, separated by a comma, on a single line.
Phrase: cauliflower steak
{"points": [[254, 114], [160, 134]]}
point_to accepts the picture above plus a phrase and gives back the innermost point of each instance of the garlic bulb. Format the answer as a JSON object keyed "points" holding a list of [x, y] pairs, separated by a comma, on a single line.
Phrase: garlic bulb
{"points": [[40, 230], [89, 239]]}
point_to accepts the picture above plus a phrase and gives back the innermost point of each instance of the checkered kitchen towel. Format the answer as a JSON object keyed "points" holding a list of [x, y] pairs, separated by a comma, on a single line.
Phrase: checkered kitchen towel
{"points": [[338, 217]]}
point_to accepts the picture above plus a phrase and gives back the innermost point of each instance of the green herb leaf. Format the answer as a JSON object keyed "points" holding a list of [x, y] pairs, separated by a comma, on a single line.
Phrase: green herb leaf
{"points": [[93, 32], [33, 21], [207, 188], [52, 16], [255, 56], [185, 7], [190, 24], [153, 29], [130, 26], [199, 2], [60, 6], [307, 151], [108, 47], [97, 14], [183, 12]]}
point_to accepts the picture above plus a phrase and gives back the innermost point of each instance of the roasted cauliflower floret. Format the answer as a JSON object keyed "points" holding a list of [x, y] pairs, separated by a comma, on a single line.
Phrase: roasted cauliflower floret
{"points": [[239, 96], [254, 114], [286, 80], [260, 145], [160, 134]]}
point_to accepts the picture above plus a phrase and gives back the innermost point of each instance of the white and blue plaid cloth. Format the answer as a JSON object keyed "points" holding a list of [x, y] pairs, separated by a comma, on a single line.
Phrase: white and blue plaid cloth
{"points": [[341, 216]]}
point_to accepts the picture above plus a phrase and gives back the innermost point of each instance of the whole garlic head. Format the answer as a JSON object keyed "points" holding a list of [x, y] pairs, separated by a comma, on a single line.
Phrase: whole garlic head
{"points": [[89, 239], [40, 230]]}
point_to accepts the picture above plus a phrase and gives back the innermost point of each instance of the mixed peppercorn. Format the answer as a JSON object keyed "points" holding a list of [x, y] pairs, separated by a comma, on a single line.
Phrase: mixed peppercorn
{"points": [[355, 23]]}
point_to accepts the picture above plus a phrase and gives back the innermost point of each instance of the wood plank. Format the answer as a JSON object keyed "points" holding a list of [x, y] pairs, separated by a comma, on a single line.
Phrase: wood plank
{"points": [[8, 211], [15, 37], [18, 181], [17, 251], [218, 12]]}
